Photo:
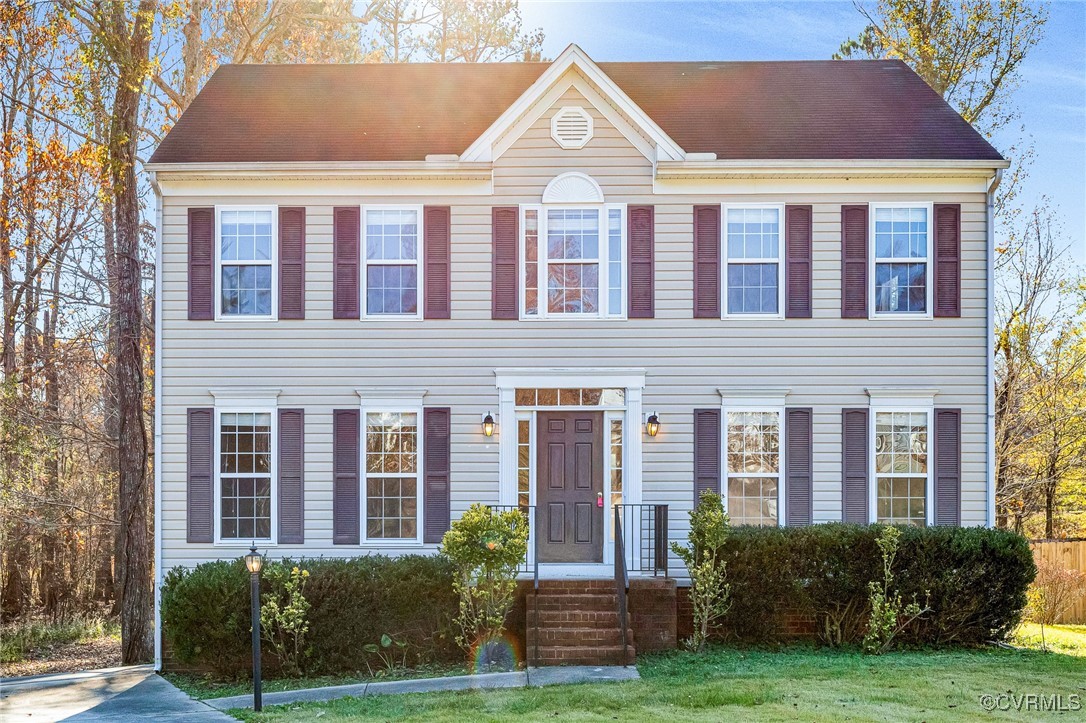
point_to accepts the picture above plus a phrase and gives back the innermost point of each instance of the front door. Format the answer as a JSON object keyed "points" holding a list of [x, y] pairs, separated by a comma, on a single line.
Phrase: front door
{"points": [[570, 486]]}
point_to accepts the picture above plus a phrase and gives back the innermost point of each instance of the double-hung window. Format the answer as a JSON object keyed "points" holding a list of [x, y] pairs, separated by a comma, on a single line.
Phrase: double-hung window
{"points": [[245, 252], [393, 275], [573, 259], [391, 472], [902, 262], [902, 478], [245, 472], [753, 245], [752, 440]]}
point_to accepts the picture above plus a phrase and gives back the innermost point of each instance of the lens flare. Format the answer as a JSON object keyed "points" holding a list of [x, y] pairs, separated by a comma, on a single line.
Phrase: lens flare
{"points": [[496, 655]]}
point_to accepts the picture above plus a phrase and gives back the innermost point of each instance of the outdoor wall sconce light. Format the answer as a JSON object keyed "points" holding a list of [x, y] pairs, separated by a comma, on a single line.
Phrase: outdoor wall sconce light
{"points": [[652, 425], [255, 563], [488, 425]]}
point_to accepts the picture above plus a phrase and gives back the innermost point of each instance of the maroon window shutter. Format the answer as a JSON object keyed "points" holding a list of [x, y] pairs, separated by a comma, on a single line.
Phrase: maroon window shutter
{"points": [[437, 248], [854, 262], [948, 259], [706, 452], [505, 302], [797, 261], [640, 258], [291, 479], [435, 473], [199, 495], [798, 463], [948, 466], [346, 439], [346, 295], [201, 264], [292, 263], [706, 262], [854, 456]]}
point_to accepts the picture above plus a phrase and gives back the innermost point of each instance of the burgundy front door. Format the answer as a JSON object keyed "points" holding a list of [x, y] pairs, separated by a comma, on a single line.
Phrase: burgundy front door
{"points": [[570, 486]]}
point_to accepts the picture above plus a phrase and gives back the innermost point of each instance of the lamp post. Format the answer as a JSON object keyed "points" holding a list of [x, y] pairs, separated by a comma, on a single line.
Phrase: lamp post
{"points": [[254, 562]]}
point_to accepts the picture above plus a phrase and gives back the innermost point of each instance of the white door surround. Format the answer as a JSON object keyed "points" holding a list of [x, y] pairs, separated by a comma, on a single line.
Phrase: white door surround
{"points": [[632, 381]]}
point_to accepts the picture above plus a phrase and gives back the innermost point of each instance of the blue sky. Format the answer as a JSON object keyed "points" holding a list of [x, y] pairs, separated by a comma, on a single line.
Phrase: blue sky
{"points": [[1052, 97]]}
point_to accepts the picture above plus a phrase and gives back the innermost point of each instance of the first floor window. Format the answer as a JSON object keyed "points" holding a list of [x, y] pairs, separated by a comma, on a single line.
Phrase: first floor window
{"points": [[901, 468], [524, 463], [245, 262], [392, 475], [753, 245], [753, 466], [392, 262], [901, 259], [245, 475], [572, 261]]}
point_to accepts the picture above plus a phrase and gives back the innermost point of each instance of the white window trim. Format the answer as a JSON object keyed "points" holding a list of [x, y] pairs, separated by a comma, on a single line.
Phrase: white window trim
{"points": [[725, 259], [873, 484], [542, 262], [410, 405], [420, 249], [781, 447], [240, 405], [219, 316], [929, 275]]}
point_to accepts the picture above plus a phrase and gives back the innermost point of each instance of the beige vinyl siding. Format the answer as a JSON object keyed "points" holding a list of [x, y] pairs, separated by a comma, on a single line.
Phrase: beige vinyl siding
{"points": [[318, 362]]}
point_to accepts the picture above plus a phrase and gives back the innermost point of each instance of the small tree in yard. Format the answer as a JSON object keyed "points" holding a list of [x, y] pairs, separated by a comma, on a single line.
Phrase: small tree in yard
{"points": [[487, 548], [1054, 591], [284, 615], [889, 613], [710, 594]]}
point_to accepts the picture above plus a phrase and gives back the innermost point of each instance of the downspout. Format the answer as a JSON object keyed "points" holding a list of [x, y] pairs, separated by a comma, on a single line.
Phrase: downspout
{"points": [[158, 421], [990, 458]]}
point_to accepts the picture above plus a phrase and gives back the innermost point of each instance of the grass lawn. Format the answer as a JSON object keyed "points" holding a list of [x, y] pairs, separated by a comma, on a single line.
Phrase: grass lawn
{"points": [[727, 684], [203, 687]]}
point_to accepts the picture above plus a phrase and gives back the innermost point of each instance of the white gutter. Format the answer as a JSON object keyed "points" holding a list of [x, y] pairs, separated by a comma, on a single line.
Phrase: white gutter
{"points": [[158, 422], [439, 168], [990, 459], [804, 167]]}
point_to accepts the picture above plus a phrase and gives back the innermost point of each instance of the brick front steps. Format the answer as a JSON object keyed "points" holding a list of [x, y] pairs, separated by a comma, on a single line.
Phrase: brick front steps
{"points": [[575, 622]]}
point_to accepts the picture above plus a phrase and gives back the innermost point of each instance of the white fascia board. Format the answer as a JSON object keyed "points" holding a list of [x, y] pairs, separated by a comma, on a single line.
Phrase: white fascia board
{"points": [[822, 168], [437, 169], [482, 148]]}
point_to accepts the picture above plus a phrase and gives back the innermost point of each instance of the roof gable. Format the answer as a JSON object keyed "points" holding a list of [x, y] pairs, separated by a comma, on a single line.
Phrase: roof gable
{"points": [[571, 59]]}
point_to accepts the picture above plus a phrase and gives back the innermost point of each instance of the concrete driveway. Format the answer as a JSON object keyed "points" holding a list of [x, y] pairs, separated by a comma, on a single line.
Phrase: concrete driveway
{"points": [[114, 694]]}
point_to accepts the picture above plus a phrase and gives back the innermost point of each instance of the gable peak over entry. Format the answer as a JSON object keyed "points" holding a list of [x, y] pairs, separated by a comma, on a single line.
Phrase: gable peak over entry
{"points": [[536, 100]]}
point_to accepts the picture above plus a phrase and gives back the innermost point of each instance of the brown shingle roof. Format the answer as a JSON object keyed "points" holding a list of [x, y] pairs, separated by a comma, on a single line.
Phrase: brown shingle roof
{"points": [[749, 110]]}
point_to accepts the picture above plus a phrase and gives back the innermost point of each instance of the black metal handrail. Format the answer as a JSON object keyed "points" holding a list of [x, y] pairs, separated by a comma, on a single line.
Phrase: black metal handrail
{"points": [[641, 538], [622, 581]]}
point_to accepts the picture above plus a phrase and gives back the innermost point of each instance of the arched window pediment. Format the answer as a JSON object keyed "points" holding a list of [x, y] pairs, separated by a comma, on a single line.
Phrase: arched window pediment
{"points": [[573, 187]]}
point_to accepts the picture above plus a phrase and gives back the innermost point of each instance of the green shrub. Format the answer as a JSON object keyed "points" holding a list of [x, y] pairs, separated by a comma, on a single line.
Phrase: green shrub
{"points": [[973, 579], [352, 603], [710, 594], [486, 548]]}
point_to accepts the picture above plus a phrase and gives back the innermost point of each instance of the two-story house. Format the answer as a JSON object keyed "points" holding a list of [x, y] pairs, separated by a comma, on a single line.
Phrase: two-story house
{"points": [[386, 292]]}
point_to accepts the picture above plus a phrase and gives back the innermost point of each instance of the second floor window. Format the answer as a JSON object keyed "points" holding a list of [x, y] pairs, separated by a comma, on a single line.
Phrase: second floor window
{"points": [[246, 261], [902, 242], [573, 260], [752, 242], [392, 238]]}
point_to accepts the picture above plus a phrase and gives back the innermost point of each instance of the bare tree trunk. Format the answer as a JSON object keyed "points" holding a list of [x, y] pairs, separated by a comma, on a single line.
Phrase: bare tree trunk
{"points": [[134, 554]]}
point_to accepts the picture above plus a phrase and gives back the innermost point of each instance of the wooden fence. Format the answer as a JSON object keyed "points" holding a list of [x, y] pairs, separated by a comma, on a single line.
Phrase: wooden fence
{"points": [[1069, 554]]}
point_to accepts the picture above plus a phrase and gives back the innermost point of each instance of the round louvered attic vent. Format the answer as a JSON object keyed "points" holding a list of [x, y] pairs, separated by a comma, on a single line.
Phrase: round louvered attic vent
{"points": [[571, 127]]}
